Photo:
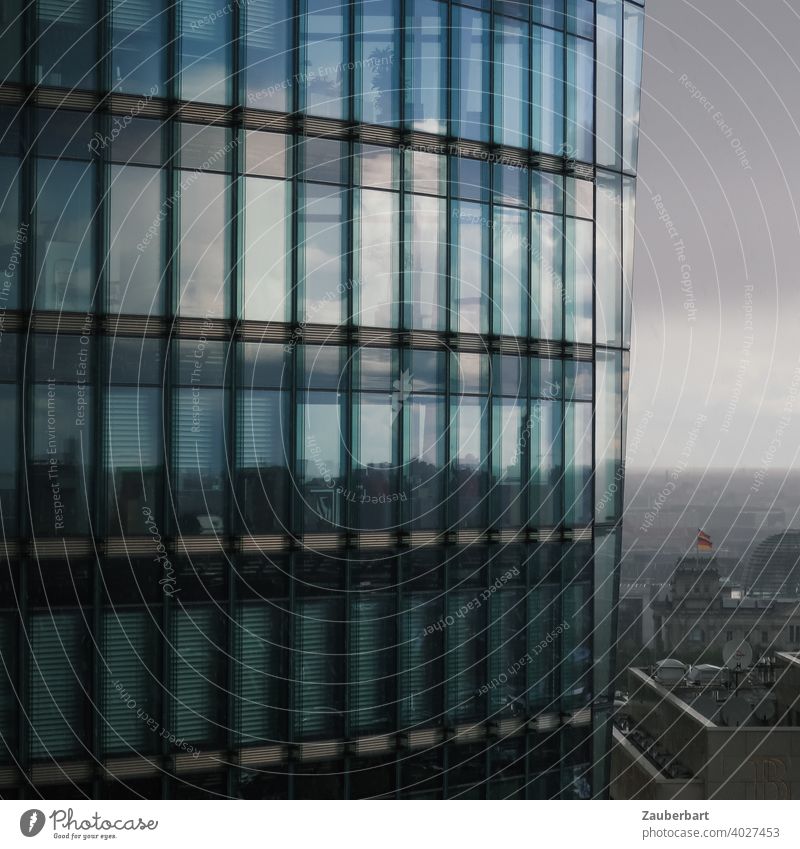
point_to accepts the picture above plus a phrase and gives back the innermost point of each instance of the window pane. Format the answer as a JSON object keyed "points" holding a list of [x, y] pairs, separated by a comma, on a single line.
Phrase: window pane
{"points": [[580, 99], [507, 456], [205, 52], [61, 460], [543, 618], [470, 74], [546, 463], [265, 153], [507, 658], [14, 232], [371, 656], [135, 264], [578, 469], [138, 52], [266, 251], [67, 43], [59, 668], [466, 656], [64, 235], [130, 656], [11, 28], [426, 28], [378, 69], [426, 459], [377, 262], [425, 263], [608, 436], [323, 285], [510, 272], [470, 274], [420, 675], [374, 458], [9, 462], [609, 82], [548, 91], [471, 451], [549, 12], [580, 17], [632, 83], [260, 673], [512, 46], [197, 680], [578, 281], [605, 561], [324, 58], [203, 248], [268, 55], [133, 455], [546, 276], [200, 469], [319, 666], [576, 678], [609, 259], [628, 243], [264, 455], [320, 460]]}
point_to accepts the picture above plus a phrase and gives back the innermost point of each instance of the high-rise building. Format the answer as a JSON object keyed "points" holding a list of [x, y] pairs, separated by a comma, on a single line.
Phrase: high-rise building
{"points": [[313, 352]]}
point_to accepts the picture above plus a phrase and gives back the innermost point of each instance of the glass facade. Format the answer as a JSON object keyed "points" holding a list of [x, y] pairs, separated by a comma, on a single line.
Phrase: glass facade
{"points": [[314, 330]]}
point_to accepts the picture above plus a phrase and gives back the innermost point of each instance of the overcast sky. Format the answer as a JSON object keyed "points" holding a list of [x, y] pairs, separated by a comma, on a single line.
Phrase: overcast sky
{"points": [[720, 144]]}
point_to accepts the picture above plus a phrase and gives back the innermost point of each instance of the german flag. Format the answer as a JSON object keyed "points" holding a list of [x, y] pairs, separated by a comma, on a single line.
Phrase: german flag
{"points": [[704, 541]]}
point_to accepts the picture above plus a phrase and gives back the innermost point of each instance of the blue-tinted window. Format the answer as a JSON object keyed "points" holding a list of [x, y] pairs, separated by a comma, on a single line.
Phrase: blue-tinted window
{"points": [[547, 276], [14, 233], [200, 470], [378, 66], [425, 72], [64, 235], [135, 269], [61, 458], [470, 74], [324, 488], [376, 259], [324, 58], [138, 51], [133, 456], [470, 271], [510, 272], [266, 250], [11, 23], [268, 56], [203, 249], [511, 80], [67, 43], [205, 52], [264, 461], [548, 91], [322, 280], [580, 99]]}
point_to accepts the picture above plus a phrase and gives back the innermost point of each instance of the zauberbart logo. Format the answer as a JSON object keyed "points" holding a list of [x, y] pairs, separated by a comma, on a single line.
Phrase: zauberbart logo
{"points": [[31, 822]]}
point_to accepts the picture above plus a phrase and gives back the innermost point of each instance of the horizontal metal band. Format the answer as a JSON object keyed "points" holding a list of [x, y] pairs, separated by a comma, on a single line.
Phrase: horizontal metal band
{"points": [[49, 548], [256, 757], [300, 123], [79, 323]]}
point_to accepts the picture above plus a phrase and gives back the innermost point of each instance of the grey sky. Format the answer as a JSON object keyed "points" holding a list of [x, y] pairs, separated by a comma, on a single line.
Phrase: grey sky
{"points": [[727, 169]]}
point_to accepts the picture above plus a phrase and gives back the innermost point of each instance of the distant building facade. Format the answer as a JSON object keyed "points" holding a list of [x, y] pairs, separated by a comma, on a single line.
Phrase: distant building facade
{"points": [[700, 613]]}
